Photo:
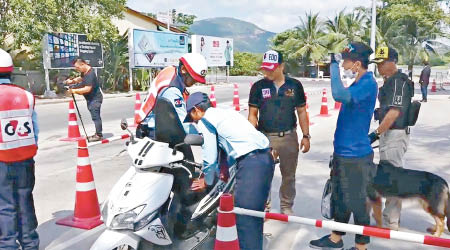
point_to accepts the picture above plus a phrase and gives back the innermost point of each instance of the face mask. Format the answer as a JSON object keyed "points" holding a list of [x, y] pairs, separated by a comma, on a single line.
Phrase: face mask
{"points": [[348, 73]]}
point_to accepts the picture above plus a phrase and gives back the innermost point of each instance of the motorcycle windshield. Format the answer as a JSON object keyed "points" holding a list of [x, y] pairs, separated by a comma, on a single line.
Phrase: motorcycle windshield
{"points": [[168, 126]]}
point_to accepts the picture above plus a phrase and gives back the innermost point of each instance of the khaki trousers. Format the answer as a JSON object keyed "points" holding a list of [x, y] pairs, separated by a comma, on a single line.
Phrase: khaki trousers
{"points": [[393, 146], [287, 148]]}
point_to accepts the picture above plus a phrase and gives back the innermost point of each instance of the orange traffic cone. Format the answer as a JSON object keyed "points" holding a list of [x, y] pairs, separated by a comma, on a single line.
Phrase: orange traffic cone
{"points": [[236, 98], [433, 86], [137, 107], [324, 107], [307, 107], [212, 97], [73, 132], [226, 234], [87, 210]]}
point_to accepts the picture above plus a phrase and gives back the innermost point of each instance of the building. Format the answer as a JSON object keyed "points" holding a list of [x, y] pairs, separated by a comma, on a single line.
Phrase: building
{"points": [[135, 20]]}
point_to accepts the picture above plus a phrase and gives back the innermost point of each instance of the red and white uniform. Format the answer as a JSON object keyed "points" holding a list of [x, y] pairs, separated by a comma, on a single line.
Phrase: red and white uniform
{"points": [[17, 139]]}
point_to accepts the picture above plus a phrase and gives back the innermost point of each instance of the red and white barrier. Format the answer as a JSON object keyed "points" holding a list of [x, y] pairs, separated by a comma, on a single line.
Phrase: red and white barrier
{"points": [[212, 97], [111, 139], [355, 229]]}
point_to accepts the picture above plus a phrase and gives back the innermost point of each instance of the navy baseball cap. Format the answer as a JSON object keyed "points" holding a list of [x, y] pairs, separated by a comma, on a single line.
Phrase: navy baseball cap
{"points": [[357, 51], [193, 100], [385, 54]]}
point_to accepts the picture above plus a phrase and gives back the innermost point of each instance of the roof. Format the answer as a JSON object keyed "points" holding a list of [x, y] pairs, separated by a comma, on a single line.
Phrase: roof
{"points": [[153, 20]]}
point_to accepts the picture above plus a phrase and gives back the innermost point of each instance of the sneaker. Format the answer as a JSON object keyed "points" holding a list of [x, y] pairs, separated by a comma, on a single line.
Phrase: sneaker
{"points": [[326, 243], [287, 211], [94, 138]]}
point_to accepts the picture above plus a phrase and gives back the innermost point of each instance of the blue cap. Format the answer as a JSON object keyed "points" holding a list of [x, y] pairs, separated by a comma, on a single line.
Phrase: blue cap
{"points": [[357, 51], [193, 100]]}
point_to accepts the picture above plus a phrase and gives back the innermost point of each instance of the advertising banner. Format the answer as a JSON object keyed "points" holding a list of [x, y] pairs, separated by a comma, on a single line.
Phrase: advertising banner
{"points": [[60, 49], [157, 49], [218, 51]]}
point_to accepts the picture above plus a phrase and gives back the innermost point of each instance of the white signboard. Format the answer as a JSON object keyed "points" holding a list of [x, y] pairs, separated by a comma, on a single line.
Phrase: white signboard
{"points": [[164, 17], [218, 51], [156, 49]]}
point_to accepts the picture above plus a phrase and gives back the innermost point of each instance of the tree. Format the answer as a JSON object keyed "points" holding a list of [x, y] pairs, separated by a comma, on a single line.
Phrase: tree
{"points": [[306, 42], [413, 27], [184, 21], [116, 63], [246, 64], [26, 21]]}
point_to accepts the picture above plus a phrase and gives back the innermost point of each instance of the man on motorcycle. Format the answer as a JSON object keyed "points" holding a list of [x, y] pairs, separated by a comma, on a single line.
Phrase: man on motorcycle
{"points": [[171, 84]]}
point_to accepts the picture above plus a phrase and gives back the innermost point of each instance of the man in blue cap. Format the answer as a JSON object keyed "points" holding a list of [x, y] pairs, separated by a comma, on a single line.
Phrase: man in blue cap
{"points": [[248, 148], [352, 166]]}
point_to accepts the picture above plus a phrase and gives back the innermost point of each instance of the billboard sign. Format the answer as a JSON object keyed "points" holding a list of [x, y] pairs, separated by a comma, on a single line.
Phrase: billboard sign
{"points": [[60, 49], [218, 51], [157, 49]]}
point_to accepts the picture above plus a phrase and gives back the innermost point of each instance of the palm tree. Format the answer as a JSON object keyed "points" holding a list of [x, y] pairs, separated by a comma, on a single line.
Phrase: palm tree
{"points": [[336, 38], [307, 42], [116, 62]]}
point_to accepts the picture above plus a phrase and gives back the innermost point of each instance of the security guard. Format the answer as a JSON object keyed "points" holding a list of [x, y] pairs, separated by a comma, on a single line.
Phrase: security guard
{"points": [[393, 131], [18, 146], [171, 84], [276, 99], [246, 147]]}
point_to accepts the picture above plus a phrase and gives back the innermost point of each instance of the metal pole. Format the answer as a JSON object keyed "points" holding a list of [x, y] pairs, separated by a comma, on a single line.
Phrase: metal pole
{"points": [[373, 32], [47, 80], [79, 114]]}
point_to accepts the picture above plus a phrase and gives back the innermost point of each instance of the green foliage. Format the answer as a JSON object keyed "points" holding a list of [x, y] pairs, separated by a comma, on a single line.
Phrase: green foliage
{"points": [[184, 21], [24, 22], [142, 76], [115, 73], [246, 64]]}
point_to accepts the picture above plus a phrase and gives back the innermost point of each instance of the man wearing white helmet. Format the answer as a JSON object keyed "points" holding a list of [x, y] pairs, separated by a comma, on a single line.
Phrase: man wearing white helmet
{"points": [[18, 146], [171, 84]]}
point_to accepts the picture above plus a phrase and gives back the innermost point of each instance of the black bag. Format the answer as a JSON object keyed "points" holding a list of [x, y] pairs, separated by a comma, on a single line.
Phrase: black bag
{"points": [[413, 113], [327, 203]]}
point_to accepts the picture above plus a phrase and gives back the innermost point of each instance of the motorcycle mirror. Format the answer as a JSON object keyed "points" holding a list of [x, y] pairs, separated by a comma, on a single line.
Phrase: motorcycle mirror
{"points": [[191, 139], [123, 124]]}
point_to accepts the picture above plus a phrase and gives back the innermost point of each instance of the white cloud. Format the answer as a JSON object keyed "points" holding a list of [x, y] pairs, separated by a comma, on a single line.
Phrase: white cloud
{"points": [[271, 15]]}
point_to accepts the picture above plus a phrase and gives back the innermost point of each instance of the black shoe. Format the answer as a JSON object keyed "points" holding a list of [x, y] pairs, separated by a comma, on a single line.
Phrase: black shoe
{"points": [[326, 243], [94, 138]]}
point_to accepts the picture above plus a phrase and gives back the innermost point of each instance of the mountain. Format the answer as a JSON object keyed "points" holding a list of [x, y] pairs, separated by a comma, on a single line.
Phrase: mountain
{"points": [[247, 37]]}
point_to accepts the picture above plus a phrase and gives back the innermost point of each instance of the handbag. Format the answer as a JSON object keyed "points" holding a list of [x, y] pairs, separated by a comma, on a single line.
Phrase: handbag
{"points": [[327, 208]]}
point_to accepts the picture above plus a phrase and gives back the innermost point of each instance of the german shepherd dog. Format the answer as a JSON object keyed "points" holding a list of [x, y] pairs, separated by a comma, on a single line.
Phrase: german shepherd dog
{"points": [[431, 190]]}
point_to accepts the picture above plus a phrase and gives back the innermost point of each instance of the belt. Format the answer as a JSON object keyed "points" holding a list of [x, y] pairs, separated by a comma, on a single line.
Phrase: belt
{"points": [[254, 152], [407, 129], [280, 134]]}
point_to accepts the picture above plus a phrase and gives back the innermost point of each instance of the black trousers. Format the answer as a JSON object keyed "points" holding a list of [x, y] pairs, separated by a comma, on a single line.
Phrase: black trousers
{"points": [[350, 179], [17, 215], [94, 107]]}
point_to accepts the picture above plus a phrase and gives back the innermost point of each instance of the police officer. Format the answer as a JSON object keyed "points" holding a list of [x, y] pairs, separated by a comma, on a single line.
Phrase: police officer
{"points": [[247, 147], [18, 146], [393, 132], [352, 165], [276, 99], [171, 84], [88, 86]]}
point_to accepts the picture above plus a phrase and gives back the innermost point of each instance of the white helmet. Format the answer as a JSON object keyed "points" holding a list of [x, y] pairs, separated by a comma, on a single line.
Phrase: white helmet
{"points": [[196, 66], [6, 63]]}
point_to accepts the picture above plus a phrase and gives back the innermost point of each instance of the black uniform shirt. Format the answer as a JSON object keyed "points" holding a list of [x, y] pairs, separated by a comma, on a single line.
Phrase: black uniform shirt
{"points": [[396, 92], [90, 79], [277, 108]]}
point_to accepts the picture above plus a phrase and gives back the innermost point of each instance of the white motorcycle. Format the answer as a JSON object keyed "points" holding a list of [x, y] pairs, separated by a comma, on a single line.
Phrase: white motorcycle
{"points": [[152, 203]]}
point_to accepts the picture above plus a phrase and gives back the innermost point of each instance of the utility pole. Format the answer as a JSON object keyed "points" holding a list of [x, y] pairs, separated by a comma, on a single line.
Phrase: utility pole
{"points": [[373, 33]]}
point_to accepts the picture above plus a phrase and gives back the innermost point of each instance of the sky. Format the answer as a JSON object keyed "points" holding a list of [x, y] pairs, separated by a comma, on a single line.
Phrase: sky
{"points": [[271, 15]]}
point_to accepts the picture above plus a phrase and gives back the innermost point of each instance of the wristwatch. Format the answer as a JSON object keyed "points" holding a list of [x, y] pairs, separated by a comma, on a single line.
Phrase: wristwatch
{"points": [[308, 136], [377, 133]]}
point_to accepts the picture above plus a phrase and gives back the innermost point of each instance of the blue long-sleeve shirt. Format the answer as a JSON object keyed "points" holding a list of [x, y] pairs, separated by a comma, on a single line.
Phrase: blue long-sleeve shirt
{"points": [[231, 132], [33, 116]]}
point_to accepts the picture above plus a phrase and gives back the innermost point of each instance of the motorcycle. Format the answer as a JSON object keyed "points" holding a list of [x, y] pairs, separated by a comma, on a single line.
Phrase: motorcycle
{"points": [[152, 203]]}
